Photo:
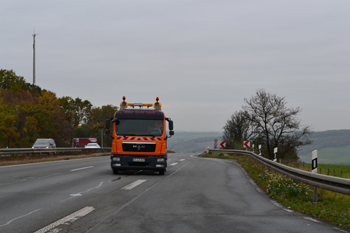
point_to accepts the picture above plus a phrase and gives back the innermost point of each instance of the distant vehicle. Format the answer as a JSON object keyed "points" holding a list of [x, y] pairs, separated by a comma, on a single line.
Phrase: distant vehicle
{"points": [[44, 143], [82, 142], [92, 145]]}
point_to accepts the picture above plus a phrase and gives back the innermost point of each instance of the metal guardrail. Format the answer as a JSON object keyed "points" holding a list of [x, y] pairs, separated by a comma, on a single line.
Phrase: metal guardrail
{"points": [[335, 184], [10, 151]]}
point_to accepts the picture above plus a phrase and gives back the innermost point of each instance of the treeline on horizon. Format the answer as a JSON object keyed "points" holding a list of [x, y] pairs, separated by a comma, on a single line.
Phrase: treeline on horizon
{"points": [[28, 112]]}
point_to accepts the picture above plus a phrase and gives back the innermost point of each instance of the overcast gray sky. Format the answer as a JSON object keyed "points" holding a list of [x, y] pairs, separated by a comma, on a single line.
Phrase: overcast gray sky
{"points": [[202, 58]]}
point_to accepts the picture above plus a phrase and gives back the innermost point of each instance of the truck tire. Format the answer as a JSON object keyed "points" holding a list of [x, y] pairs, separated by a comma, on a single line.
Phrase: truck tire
{"points": [[161, 172], [115, 171]]}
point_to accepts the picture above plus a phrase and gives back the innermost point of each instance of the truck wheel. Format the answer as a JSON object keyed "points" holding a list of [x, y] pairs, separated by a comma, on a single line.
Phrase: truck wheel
{"points": [[115, 171], [161, 172]]}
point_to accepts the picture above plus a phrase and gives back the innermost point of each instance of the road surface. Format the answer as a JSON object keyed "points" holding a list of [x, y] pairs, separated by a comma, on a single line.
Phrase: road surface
{"points": [[194, 195]]}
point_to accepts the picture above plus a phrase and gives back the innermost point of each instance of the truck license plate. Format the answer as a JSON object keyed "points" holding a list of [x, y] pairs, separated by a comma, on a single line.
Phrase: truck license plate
{"points": [[138, 160]]}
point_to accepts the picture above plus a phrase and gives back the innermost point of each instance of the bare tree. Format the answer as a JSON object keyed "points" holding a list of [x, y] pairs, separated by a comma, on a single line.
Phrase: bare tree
{"points": [[274, 124], [237, 128]]}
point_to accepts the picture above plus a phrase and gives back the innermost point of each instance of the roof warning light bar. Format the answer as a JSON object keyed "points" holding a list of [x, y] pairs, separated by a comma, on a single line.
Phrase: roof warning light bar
{"points": [[124, 105]]}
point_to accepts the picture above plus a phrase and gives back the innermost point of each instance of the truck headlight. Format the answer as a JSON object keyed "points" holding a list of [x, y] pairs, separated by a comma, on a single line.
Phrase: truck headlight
{"points": [[160, 160], [115, 159]]}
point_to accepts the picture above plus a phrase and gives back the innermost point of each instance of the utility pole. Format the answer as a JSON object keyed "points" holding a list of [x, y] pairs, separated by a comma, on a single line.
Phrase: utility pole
{"points": [[34, 58]]}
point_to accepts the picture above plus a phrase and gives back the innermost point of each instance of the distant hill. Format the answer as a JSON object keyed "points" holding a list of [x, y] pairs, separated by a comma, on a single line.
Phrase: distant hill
{"points": [[333, 147], [189, 142]]}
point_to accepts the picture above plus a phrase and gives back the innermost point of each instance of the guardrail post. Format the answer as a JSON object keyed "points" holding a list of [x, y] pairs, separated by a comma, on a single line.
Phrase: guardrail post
{"points": [[314, 170], [314, 196]]}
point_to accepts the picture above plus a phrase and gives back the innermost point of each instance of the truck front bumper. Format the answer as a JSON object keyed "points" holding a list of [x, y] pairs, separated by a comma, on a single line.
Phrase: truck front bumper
{"points": [[132, 162]]}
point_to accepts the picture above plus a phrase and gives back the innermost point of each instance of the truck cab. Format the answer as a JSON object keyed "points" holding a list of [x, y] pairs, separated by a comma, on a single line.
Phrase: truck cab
{"points": [[139, 137]]}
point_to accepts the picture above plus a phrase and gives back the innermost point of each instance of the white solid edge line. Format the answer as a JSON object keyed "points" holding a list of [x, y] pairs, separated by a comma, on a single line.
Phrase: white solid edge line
{"points": [[336, 228], [133, 184], [311, 219], [78, 169], [70, 218]]}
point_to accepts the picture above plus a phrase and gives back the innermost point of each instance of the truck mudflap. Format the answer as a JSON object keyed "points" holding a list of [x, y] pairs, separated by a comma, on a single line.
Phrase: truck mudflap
{"points": [[136, 162]]}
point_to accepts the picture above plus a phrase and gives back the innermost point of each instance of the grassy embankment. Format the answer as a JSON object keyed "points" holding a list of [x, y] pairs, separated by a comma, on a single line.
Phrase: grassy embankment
{"points": [[331, 207]]}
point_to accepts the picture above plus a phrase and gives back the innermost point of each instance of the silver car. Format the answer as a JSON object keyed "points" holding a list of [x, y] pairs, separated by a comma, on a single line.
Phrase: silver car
{"points": [[44, 143], [92, 145]]}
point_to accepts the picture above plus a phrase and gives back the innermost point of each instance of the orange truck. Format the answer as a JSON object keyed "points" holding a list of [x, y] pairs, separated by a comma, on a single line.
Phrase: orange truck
{"points": [[139, 138]]}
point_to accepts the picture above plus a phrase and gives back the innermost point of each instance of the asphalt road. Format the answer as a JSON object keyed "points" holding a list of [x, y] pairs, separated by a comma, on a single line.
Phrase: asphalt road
{"points": [[194, 195]]}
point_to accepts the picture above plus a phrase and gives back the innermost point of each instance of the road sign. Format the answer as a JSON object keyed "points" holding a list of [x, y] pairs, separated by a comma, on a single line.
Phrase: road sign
{"points": [[215, 140], [102, 132], [223, 144], [215, 144], [246, 144]]}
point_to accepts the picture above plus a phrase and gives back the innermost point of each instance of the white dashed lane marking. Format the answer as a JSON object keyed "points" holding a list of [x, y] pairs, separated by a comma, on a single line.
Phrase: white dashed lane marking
{"points": [[82, 168], [133, 184], [66, 220]]}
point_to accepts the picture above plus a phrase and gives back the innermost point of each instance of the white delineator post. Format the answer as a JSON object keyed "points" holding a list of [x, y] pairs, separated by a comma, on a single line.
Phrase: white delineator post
{"points": [[314, 170], [314, 161], [275, 154], [260, 149]]}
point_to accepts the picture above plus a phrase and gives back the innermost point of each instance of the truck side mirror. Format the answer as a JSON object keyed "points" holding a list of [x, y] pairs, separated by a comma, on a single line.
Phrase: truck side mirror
{"points": [[171, 125], [107, 131], [171, 133]]}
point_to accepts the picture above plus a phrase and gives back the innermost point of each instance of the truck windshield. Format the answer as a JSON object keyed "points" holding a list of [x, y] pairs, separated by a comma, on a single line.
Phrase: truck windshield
{"points": [[139, 127]]}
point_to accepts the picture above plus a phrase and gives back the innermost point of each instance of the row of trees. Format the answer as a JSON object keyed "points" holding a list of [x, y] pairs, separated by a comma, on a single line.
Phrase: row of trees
{"points": [[266, 120], [27, 112]]}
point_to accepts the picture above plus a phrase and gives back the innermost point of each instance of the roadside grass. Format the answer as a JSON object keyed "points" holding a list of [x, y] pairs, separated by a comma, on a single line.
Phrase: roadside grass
{"points": [[331, 207], [334, 170], [15, 159]]}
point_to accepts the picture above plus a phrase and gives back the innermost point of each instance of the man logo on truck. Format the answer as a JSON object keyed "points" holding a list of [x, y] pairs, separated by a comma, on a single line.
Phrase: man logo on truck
{"points": [[139, 139], [139, 146]]}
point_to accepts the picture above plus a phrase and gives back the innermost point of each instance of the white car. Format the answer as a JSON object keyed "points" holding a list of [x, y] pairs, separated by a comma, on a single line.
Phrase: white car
{"points": [[92, 145]]}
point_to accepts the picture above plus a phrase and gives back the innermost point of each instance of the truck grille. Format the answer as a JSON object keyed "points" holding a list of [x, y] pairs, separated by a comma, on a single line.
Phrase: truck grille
{"points": [[139, 147]]}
